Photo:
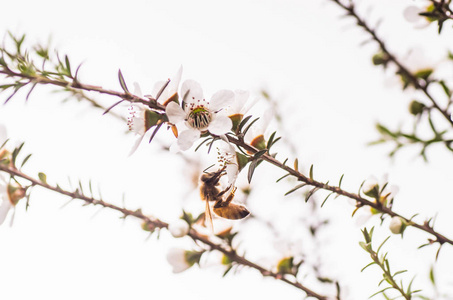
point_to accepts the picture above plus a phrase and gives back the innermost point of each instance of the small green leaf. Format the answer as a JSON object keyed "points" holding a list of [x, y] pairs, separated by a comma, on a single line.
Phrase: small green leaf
{"points": [[431, 276], [243, 122], [295, 188], [284, 176], [259, 154], [248, 126], [25, 160], [382, 244], [341, 180], [310, 193], [42, 177], [112, 106], [227, 270], [284, 162], [122, 82], [311, 172], [155, 131], [370, 264], [399, 272], [68, 65], [365, 246], [252, 167], [322, 204], [381, 291], [202, 142]]}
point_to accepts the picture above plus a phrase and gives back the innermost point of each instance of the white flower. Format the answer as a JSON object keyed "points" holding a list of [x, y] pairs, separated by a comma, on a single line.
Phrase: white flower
{"points": [[179, 228], [181, 259], [240, 106], [371, 186], [136, 120], [412, 14], [10, 194], [198, 114], [255, 135], [177, 259], [227, 158], [6, 204], [141, 119], [170, 89], [5, 154]]}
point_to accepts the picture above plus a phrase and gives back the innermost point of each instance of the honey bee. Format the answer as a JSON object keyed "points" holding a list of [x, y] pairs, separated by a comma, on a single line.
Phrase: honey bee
{"points": [[225, 208]]}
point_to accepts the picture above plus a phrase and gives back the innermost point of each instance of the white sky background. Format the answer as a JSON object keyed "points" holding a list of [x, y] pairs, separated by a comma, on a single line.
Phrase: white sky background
{"points": [[302, 52]]}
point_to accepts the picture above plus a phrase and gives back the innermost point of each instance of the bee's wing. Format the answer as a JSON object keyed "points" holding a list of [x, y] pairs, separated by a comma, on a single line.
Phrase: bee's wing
{"points": [[208, 216]]}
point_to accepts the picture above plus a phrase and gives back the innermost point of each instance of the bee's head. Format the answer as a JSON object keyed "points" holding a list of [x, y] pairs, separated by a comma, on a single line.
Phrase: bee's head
{"points": [[212, 177]]}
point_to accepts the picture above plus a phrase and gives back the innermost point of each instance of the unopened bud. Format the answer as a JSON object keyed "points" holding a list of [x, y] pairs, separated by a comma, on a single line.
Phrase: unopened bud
{"points": [[416, 107], [380, 59], [285, 265], [179, 228], [397, 225], [15, 193]]}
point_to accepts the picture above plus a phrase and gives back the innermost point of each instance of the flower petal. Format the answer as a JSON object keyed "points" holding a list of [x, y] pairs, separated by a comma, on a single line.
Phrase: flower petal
{"points": [[178, 228], [3, 135], [220, 125], [177, 259], [191, 91], [232, 171], [4, 209], [175, 113], [157, 87], [137, 90], [137, 143], [174, 82], [412, 14], [187, 138], [221, 100], [240, 98]]}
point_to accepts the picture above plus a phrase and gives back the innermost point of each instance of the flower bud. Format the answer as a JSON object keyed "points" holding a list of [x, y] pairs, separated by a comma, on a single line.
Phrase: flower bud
{"points": [[380, 59], [285, 265], [371, 188], [397, 225], [416, 107], [15, 193], [179, 228]]}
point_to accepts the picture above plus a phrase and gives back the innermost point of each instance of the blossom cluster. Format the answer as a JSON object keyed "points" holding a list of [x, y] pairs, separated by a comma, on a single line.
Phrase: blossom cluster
{"points": [[191, 116], [188, 112]]}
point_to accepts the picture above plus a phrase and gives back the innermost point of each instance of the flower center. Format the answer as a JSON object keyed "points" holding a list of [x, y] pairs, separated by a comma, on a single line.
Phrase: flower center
{"points": [[199, 118]]}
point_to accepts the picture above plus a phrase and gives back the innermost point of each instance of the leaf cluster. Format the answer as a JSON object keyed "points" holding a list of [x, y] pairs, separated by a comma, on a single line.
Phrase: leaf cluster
{"points": [[28, 67], [383, 263]]}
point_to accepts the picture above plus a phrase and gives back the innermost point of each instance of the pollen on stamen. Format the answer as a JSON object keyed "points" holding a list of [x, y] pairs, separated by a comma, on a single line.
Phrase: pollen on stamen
{"points": [[130, 118]]}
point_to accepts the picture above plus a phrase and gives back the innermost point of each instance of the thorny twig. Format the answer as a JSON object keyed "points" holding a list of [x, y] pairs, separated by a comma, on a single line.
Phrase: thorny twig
{"points": [[154, 223]]}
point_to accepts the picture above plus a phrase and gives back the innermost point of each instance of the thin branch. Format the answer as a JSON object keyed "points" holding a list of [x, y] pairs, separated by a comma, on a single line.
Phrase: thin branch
{"points": [[337, 190], [154, 223], [421, 85], [240, 143], [154, 105]]}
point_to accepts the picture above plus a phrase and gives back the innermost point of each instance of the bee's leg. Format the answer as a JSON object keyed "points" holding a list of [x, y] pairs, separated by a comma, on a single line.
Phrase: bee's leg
{"points": [[220, 194], [230, 196], [220, 203]]}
